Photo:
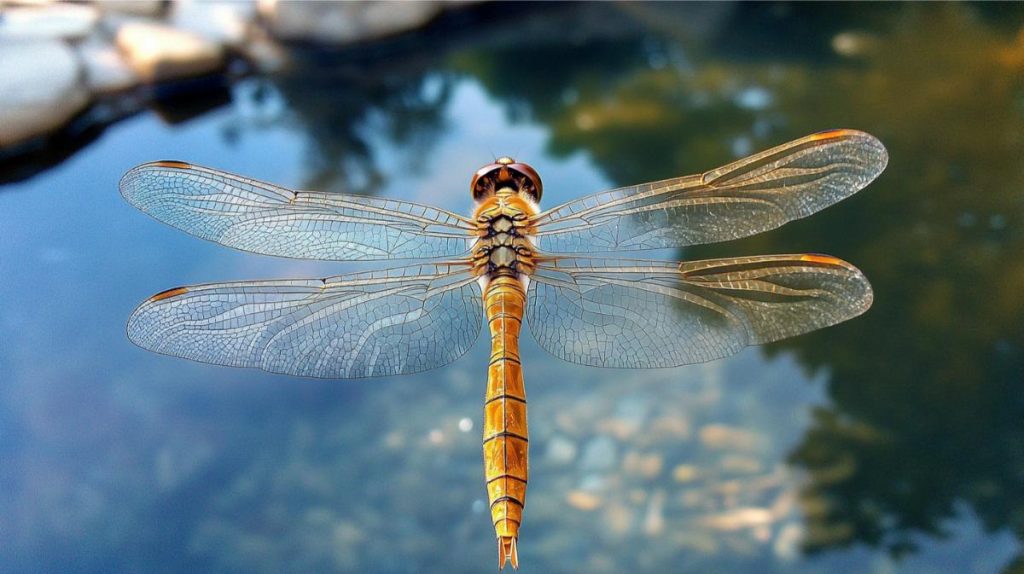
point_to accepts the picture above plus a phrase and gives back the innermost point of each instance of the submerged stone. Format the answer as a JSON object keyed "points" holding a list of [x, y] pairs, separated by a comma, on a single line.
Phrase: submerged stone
{"points": [[106, 70]]}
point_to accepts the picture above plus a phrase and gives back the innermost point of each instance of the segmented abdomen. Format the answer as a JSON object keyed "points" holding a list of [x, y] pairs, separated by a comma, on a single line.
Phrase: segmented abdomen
{"points": [[505, 433]]}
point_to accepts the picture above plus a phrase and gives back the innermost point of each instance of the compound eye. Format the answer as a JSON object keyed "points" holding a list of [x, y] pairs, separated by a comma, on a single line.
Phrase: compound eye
{"points": [[506, 170], [537, 186], [481, 180]]}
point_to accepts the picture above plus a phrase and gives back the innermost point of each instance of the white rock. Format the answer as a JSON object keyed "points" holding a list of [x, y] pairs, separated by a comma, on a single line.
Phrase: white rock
{"points": [[223, 22], [159, 53], [68, 21], [148, 8], [345, 22], [106, 70], [41, 89]]}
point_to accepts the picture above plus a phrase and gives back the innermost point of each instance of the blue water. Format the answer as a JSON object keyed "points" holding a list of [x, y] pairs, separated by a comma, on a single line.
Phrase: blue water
{"points": [[892, 443]]}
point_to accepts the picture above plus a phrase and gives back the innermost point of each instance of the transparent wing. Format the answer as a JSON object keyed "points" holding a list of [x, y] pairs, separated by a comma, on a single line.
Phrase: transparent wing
{"points": [[367, 324], [749, 196], [263, 218], [641, 314]]}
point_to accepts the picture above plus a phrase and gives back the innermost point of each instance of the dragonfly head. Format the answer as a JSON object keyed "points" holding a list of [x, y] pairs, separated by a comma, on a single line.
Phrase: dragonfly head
{"points": [[506, 172]]}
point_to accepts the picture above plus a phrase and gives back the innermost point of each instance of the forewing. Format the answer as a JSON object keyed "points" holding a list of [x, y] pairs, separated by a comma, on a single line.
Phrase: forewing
{"points": [[641, 314], [746, 197], [367, 324], [264, 218]]}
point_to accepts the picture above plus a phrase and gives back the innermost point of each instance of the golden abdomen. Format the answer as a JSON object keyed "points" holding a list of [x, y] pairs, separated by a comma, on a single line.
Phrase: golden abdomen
{"points": [[506, 438]]}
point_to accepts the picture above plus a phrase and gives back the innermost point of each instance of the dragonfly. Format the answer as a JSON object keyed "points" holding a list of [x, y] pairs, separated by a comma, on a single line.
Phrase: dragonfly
{"points": [[506, 263]]}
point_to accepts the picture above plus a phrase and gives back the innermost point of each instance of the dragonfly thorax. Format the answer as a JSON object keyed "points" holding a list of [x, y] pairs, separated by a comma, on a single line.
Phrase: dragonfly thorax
{"points": [[503, 245]]}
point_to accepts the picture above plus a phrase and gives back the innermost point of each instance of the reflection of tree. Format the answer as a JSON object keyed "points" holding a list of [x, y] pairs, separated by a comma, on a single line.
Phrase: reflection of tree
{"points": [[926, 389], [613, 90], [343, 109]]}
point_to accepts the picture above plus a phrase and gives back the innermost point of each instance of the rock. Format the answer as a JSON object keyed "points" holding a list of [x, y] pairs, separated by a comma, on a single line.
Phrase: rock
{"points": [[739, 519], [66, 21], [561, 451], [106, 70], [344, 22], [676, 428], [226, 23], [41, 89], [647, 466], [159, 53], [599, 454], [684, 473], [731, 438], [618, 518], [583, 500], [147, 8]]}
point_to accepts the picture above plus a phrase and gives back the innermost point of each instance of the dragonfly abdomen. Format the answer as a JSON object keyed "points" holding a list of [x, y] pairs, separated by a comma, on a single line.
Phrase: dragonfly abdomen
{"points": [[506, 439]]}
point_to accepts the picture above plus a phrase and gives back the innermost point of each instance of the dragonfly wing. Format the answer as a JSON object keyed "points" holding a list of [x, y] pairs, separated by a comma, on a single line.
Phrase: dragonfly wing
{"points": [[641, 314], [367, 324], [263, 218], [746, 197]]}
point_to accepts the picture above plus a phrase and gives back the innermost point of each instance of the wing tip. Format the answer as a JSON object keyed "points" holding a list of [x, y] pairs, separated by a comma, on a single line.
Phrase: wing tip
{"points": [[137, 336], [839, 134], [127, 183], [866, 299]]}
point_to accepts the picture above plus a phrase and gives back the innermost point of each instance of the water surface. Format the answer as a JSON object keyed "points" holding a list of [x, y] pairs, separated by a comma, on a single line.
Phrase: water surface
{"points": [[891, 443]]}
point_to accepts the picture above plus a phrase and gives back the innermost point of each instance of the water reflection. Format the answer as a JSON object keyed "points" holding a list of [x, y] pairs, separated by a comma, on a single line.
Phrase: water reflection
{"points": [[924, 391], [916, 431], [343, 111]]}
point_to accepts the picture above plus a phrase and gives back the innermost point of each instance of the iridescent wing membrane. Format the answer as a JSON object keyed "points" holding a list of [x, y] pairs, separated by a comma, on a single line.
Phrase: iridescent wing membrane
{"points": [[746, 197], [263, 218], [378, 323], [617, 313], [632, 313], [367, 324], [637, 314]]}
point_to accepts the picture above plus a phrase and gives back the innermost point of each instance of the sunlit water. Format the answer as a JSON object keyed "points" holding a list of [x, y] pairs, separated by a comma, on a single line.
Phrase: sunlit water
{"points": [[892, 443]]}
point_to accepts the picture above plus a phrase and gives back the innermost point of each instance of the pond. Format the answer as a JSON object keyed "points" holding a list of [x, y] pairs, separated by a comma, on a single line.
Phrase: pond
{"points": [[890, 443]]}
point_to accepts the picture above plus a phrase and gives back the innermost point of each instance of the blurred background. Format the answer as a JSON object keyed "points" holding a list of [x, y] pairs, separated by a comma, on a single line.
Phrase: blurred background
{"points": [[891, 443]]}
